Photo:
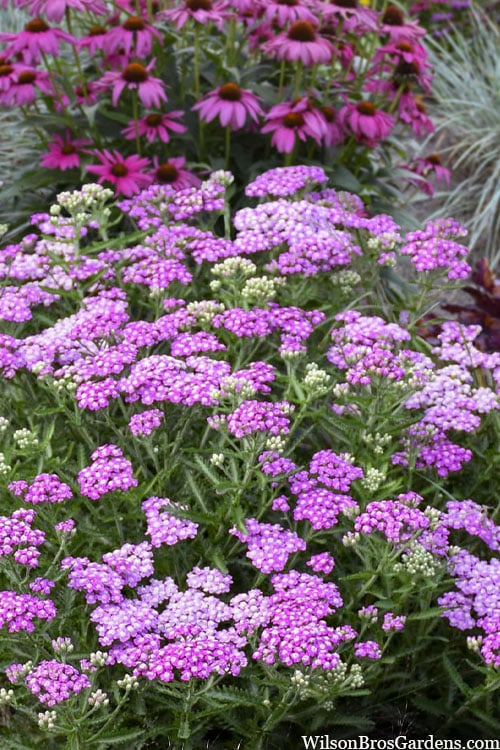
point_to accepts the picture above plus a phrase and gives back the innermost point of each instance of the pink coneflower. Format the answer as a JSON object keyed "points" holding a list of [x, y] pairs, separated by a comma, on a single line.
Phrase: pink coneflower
{"points": [[422, 169], [64, 153], [283, 12], [87, 95], [135, 76], [403, 50], [393, 23], [412, 111], [23, 89], [291, 120], [126, 173], [231, 104], [432, 164], [171, 173], [54, 10], [156, 125], [367, 123], [352, 14], [300, 42], [134, 37], [37, 38], [406, 61], [7, 74], [334, 132], [93, 40], [201, 11]]}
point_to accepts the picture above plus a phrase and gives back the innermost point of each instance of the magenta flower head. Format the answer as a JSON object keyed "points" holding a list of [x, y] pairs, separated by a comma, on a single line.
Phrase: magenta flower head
{"points": [[54, 10], [283, 12], [291, 120], [394, 25], [300, 42], [429, 165], [37, 38], [201, 11], [125, 173], [367, 123], [231, 104], [134, 37], [135, 77], [355, 17], [64, 153], [23, 87], [156, 125], [171, 173]]}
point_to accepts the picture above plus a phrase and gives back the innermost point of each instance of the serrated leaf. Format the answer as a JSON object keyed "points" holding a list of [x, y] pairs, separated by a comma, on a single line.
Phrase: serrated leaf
{"points": [[455, 677], [427, 614], [428, 706], [233, 696], [117, 739]]}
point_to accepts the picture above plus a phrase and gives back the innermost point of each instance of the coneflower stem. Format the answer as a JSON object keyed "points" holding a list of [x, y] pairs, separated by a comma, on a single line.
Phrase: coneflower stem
{"points": [[227, 145], [135, 115]]}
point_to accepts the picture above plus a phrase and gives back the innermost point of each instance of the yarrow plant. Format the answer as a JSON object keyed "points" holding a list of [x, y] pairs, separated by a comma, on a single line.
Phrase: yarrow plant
{"points": [[240, 493]]}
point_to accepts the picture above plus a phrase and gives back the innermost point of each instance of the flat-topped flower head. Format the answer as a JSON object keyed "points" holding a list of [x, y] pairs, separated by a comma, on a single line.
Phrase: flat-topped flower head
{"points": [[301, 43], [231, 104], [134, 77]]}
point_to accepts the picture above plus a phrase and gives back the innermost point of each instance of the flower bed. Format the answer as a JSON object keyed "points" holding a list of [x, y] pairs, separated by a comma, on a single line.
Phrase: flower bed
{"points": [[242, 497]]}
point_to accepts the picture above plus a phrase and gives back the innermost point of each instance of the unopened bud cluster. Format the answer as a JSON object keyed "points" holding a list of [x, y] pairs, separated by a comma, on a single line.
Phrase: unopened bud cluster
{"points": [[347, 280], [418, 561], [4, 466], [260, 289], [98, 698], [6, 696], [25, 439], [47, 720], [373, 479], [128, 683], [315, 379], [376, 442]]}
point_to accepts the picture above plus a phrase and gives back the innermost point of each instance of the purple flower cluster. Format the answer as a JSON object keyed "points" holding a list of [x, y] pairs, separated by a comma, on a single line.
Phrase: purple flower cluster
{"points": [[19, 539], [108, 472], [17, 611], [477, 601], [367, 650], [435, 247], [366, 348], [397, 520], [259, 416], [164, 527], [268, 545], [53, 682], [285, 181], [296, 631], [145, 422], [45, 488]]}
